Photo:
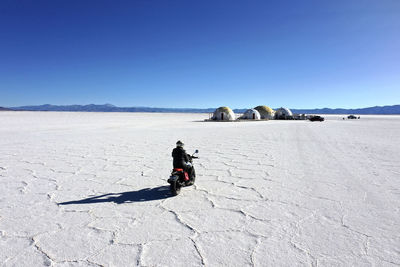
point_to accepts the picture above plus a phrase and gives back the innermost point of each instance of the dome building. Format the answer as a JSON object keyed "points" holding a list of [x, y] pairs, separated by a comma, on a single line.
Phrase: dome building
{"points": [[223, 114], [251, 114], [283, 114], [265, 112]]}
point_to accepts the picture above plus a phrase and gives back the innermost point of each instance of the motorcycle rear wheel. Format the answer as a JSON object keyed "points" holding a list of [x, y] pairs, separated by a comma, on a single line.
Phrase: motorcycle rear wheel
{"points": [[175, 187]]}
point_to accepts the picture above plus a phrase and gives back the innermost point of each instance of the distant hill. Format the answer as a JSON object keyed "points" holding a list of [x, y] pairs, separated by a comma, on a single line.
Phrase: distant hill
{"points": [[379, 110], [4, 109]]}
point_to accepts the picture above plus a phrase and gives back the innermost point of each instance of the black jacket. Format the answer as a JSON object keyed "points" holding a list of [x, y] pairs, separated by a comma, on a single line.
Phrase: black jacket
{"points": [[180, 157]]}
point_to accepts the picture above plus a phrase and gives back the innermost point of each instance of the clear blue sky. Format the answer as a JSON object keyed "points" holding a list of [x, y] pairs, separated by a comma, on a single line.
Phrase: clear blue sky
{"points": [[167, 53]]}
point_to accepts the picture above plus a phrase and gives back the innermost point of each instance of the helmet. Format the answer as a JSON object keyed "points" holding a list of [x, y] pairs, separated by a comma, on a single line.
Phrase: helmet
{"points": [[180, 143]]}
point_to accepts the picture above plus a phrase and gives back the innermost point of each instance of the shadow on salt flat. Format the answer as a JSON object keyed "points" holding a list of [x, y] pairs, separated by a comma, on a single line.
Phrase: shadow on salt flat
{"points": [[147, 194]]}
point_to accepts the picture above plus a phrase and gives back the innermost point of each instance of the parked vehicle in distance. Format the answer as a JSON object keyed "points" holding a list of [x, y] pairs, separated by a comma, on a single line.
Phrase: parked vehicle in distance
{"points": [[351, 117], [316, 118]]}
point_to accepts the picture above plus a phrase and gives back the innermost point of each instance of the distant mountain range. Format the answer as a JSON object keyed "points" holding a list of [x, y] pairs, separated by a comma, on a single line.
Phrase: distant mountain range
{"points": [[108, 108], [395, 109]]}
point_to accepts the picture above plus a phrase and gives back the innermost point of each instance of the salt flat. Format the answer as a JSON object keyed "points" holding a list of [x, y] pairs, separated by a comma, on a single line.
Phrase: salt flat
{"points": [[89, 189]]}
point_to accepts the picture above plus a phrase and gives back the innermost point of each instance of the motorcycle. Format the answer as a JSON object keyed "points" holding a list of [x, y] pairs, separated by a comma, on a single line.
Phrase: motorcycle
{"points": [[180, 178]]}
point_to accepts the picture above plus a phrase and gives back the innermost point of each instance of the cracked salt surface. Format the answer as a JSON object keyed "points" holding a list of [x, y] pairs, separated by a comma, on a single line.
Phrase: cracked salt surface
{"points": [[89, 189]]}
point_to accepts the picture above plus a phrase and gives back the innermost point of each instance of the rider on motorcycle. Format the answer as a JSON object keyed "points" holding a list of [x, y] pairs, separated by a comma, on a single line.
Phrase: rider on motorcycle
{"points": [[182, 159]]}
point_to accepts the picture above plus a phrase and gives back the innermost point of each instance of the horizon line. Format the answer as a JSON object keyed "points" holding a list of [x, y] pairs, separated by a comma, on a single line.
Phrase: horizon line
{"points": [[108, 104]]}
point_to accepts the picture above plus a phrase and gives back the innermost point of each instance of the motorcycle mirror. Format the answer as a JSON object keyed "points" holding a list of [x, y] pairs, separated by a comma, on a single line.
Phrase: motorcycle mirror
{"points": [[197, 151]]}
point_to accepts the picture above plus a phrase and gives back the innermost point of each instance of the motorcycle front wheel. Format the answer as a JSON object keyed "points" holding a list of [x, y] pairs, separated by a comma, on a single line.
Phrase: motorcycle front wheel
{"points": [[193, 178]]}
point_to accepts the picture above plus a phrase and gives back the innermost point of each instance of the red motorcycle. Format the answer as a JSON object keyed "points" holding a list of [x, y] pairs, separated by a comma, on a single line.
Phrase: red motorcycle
{"points": [[180, 178]]}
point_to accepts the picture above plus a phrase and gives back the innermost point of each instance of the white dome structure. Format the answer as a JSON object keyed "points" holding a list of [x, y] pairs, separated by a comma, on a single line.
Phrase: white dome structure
{"points": [[283, 114], [223, 114], [265, 112], [251, 114]]}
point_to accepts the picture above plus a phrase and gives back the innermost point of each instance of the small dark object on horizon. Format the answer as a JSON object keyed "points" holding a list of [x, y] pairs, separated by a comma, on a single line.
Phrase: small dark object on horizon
{"points": [[352, 117], [317, 118]]}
